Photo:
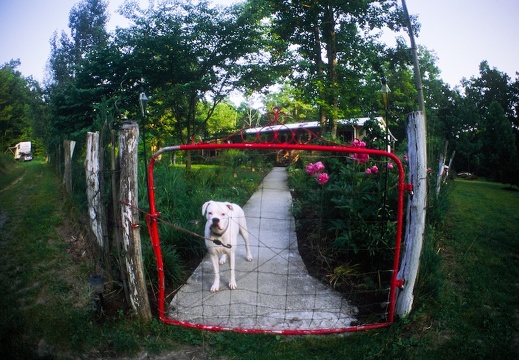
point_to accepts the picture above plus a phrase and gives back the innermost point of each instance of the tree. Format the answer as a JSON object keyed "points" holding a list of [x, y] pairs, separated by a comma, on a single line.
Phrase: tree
{"points": [[80, 71], [87, 23], [21, 105], [344, 31], [189, 54], [291, 101], [491, 85], [223, 119], [497, 142], [487, 114], [458, 123]]}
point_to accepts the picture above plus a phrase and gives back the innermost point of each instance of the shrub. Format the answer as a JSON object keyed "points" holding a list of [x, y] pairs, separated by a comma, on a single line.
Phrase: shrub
{"points": [[5, 160], [349, 219]]}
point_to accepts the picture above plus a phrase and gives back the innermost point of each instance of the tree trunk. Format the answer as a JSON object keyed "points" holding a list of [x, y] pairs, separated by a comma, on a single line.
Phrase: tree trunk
{"points": [[68, 147], [95, 205], [320, 73], [331, 54], [128, 149], [416, 210]]}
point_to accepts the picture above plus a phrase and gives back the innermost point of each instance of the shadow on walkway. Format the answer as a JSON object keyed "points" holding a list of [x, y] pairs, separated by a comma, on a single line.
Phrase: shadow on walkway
{"points": [[275, 292]]}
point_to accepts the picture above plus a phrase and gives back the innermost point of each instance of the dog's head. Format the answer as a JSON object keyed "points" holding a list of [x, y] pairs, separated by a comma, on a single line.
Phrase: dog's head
{"points": [[218, 215]]}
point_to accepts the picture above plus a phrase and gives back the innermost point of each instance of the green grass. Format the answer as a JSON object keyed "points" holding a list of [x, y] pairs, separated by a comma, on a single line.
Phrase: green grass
{"points": [[38, 296], [473, 315], [481, 267]]}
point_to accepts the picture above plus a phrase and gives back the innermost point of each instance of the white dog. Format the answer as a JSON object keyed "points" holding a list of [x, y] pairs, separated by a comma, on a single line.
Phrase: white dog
{"points": [[224, 222]]}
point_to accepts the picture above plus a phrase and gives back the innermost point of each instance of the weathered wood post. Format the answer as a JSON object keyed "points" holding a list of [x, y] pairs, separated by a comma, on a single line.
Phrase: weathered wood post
{"points": [[68, 149], [416, 206], [128, 148], [441, 168], [95, 204], [416, 210], [116, 211], [449, 167]]}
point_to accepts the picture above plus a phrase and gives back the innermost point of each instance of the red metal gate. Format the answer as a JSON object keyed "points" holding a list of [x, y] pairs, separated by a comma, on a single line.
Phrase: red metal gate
{"points": [[292, 142]]}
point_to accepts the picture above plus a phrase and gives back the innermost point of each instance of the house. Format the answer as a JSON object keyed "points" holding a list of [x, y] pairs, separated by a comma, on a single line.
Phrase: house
{"points": [[347, 131]]}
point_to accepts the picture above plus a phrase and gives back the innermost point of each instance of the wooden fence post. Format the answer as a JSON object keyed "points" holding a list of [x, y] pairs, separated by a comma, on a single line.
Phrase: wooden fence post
{"points": [[416, 210], [116, 211], [68, 147], [128, 147], [441, 168], [95, 205]]}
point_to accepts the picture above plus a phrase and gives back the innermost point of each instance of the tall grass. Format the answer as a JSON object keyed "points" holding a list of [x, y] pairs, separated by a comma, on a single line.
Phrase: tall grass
{"points": [[45, 293], [180, 194]]}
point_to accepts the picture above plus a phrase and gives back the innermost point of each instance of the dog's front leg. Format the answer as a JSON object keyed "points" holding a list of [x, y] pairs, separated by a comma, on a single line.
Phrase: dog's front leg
{"points": [[223, 259], [216, 283], [232, 260]]}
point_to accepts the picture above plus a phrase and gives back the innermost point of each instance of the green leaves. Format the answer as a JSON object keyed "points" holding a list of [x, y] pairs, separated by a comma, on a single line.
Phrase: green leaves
{"points": [[20, 103]]}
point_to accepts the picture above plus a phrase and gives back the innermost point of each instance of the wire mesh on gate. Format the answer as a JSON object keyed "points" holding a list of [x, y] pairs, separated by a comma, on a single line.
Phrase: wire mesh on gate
{"points": [[324, 260]]}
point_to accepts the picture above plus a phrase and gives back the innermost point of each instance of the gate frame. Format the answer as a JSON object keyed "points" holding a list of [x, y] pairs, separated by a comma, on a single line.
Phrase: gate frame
{"points": [[152, 222]]}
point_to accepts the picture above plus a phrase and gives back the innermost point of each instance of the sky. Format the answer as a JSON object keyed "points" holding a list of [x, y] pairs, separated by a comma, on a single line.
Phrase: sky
{"points": [[461, 33]]}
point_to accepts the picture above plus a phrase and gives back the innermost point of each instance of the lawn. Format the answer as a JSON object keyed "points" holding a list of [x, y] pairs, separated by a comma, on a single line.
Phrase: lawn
{"points": [[47, 308], [479, 316]]}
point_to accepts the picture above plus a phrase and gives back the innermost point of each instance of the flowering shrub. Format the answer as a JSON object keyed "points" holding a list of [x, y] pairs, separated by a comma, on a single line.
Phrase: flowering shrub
{"points": [[352, 219], [315, 170], [349, 225]]}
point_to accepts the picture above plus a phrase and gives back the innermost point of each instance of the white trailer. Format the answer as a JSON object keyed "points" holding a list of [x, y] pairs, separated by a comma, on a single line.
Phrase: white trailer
{"points": [[22, 151]]}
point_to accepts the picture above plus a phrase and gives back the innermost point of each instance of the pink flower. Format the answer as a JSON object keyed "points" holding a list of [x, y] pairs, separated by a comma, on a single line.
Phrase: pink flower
{"points": [[358, 143], [361, 158], [406, 158], [374, 169], [368, 171], [310, 169], [318, 166], [322, 178], [389, 165], [313, 169]]}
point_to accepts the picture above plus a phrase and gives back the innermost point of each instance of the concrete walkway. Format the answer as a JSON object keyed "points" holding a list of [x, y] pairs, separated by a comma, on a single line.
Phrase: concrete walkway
{"points": [[274, 292]]}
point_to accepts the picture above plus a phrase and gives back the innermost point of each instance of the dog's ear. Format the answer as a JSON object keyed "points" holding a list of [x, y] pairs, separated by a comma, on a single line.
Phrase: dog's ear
{"points": [[204, 207], [229, 206]]}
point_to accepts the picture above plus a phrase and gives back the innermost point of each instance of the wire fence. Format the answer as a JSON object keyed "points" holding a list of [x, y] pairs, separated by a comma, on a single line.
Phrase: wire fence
{"points": [[325, 253]]}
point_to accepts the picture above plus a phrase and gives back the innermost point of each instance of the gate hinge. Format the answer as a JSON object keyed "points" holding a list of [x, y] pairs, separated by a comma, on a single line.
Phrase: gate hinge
{"points": [[400, 283], [409, 187]]}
